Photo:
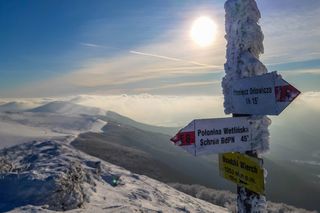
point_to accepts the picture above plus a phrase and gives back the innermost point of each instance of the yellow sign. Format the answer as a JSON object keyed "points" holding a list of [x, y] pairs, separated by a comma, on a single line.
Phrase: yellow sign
{"points": [[242, 170]]}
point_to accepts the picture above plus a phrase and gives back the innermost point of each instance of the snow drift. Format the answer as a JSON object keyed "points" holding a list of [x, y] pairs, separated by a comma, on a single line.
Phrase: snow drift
{"points": [[51, 175]]}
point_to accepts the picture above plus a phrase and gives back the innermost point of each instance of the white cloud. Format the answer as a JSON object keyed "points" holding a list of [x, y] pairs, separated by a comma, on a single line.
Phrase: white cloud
{"points": [[157, 110], [303, 72], [170, 110], [178, 85], [291, 35], [159, 63]]}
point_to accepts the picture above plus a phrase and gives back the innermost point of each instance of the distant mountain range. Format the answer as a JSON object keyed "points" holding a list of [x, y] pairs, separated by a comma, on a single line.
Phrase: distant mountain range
{"points": [[64, 107], [16, 106], [113, 116]]}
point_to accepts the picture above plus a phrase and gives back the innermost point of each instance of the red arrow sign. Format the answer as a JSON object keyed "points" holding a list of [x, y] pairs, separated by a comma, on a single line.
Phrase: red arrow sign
{"points": [[286, 93], [184, 138], [220, 135], [266, 94]]}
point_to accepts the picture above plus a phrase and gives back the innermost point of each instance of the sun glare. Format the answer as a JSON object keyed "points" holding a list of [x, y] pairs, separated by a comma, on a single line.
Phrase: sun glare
{"points": [[203, 31]]}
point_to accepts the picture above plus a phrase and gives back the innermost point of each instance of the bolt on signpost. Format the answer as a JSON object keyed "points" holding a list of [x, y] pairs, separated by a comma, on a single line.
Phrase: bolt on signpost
{"points": [[250, 93]]}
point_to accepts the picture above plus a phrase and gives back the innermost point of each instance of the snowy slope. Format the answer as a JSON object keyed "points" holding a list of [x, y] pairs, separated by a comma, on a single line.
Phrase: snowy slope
{"points": [[55, 119], [115, 117], [64, 107], [51, 175], [12, 133], [17, 106]]}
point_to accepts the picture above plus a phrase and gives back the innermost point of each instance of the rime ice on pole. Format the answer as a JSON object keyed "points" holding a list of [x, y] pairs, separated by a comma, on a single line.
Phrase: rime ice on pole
{"points": [[244, 46]]}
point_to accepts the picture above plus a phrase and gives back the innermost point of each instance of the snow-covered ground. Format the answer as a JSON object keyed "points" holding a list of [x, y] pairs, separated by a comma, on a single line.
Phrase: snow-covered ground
{"points": [[13, 133], [51, 175], [40, 171], [52, 120]]}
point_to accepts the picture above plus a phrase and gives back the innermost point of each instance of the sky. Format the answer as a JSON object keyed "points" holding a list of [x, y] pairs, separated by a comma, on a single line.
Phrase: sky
{"points": [[57, 48]]}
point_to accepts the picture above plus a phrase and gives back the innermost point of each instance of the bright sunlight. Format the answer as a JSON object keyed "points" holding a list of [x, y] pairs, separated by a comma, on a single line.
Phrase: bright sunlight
{"points": [[203, 31]]}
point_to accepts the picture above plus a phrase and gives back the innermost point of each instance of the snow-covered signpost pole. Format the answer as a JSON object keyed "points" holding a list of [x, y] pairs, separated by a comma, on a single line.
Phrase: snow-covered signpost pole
{"points": [[245, 44], [246, 95], [250, 93]]}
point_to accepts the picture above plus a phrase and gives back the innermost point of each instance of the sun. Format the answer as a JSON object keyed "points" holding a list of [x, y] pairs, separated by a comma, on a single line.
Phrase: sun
{"points": [[203, 31]]}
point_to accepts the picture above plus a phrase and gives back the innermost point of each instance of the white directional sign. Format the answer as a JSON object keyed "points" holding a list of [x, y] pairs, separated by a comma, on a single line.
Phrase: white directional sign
{"points": [[219, 135], [267, 94]]}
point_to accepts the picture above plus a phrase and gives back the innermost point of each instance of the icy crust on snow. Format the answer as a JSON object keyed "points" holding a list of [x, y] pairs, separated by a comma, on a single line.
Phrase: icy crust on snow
{"points": [[244, 45], [52, 176]]}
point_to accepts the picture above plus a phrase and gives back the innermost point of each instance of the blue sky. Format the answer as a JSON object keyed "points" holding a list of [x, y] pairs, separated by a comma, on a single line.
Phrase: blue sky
{"points": [[131, 47]]}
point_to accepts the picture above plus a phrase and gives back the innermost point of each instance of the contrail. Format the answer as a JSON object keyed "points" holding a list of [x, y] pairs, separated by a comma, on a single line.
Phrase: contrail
{"points": [[154, 55], [174, 59]]}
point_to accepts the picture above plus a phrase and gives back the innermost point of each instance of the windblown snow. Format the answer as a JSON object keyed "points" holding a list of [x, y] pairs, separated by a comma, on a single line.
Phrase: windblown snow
{"points": [[52, 176], [52, 120]]}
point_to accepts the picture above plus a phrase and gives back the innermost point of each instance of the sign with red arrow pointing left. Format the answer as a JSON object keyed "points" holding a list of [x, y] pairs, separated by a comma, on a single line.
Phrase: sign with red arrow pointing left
{"points": [[266, 94], [221, 135]]}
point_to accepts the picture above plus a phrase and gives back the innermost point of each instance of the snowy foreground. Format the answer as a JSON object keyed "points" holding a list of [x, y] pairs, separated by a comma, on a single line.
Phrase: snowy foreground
{"points": [[51, 175]]}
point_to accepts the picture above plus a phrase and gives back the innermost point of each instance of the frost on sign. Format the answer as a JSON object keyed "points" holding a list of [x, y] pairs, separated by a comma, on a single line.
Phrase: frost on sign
{"points": [[221, 135], [267, 94]]}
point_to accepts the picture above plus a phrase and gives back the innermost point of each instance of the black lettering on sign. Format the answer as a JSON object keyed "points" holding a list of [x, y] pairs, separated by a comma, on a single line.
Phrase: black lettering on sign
{"points": [[208, 132], [244, 138], [249, 168], [231, 161], [205, 142], [235, 130], [227, 140], [241, 92], [253, 100], [266, 90]]}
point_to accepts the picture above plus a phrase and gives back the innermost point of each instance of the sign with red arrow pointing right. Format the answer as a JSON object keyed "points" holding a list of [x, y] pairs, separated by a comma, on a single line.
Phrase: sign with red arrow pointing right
{"points": [[266, 94]]}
